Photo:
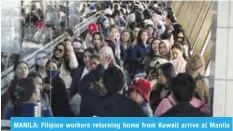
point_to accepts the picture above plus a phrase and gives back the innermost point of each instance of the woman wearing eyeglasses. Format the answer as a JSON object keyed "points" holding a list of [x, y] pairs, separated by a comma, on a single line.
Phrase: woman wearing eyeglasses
{"points": [[41, 59]]}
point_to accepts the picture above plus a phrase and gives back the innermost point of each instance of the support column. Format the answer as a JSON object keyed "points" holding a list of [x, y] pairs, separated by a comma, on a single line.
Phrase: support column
{"points": [[223, 77]]}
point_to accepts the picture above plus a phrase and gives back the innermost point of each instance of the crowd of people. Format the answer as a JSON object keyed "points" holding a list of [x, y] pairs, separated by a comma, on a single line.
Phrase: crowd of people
{"points": [[133, 62]]}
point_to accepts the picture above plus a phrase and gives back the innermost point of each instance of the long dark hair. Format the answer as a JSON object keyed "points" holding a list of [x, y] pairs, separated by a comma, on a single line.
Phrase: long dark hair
{"points": [[139, 40], [111, 44], [176, 32], [168, 71], [101, 37], [60, 60], [60, 43], [90, 50], [151, 54], [51, 61], [34, 75], [98, 33], [16, 65], [22, 92], [152, 28], [130, 36], [149, 39]]}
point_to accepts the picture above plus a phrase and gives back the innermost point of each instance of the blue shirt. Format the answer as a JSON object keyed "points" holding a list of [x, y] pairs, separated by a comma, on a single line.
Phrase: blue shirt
{"points": [[27, 110], [138, 52]]}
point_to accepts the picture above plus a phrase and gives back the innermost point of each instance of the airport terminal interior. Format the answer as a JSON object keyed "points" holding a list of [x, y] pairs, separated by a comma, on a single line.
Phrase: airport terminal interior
{"points": [[116, 58]]}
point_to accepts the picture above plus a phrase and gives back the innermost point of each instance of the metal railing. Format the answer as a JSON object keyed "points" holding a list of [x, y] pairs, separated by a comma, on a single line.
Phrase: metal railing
{"points": [[8, 74]]}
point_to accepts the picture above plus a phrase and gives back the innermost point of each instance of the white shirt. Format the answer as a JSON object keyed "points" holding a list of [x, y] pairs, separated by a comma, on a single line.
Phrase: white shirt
{"points": [[65, 75], [85, 71]]}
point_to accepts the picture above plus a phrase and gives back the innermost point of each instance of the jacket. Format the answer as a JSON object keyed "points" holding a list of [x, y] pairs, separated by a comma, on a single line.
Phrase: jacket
{"points": [[126, 57], [117, 105], [90, 98], [168, 103], [184, 110], [138, 53], [76, 76], [155, 96], [59, 98]]}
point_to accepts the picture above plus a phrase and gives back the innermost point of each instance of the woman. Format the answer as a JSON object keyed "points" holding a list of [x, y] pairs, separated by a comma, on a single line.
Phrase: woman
{"points": [[82, 70], [58, 53], [149, 41], [155, 46], [139, 51], [179, 37], [140, 91], [166, 73], [44, 98], [126, 47], [24, 99], [136, 30], [21, 72], [97, 40], [150, 30], [165, 49], [67, 60], [196, 67], [183, 88], [153, 55], [57, 90], [177, 58], [119, 20], [41, 60]]}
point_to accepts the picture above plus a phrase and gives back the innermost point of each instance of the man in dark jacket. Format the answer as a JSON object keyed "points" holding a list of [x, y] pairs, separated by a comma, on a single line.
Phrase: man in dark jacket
{"points": [[183, 89], [111, 104], [114, 103]]}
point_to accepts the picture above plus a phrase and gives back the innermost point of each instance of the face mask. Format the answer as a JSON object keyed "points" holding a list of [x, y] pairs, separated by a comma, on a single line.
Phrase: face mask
{"points": [[41, 63], [52, 73], [77, 45], [41, 60]]}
